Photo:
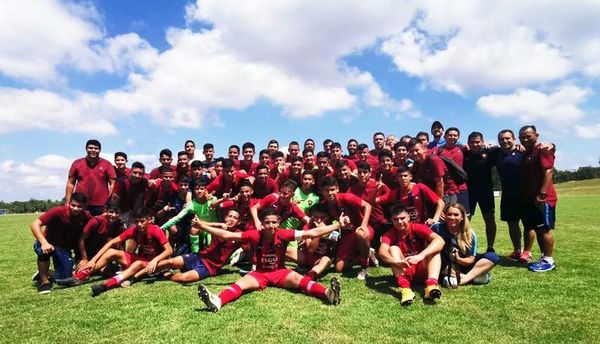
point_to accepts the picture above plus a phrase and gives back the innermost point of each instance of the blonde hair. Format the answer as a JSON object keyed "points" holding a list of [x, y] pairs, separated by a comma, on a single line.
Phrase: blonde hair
{"points": [[464, 237]]}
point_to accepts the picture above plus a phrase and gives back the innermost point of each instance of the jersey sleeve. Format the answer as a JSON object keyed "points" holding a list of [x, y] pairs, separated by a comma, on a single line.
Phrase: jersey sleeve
{"points": [[388, 238], [49, 215], [287, 234], [91, 226], [128, 234], [351, 200], [437, 167], [428, 193], [268, 201], [546, 159], [175, 219], [159, 235], [251, 236], [297, 212], [389, 197], [110, 171], [227, 204], [214, 186], [422, 231], [73, 170]]}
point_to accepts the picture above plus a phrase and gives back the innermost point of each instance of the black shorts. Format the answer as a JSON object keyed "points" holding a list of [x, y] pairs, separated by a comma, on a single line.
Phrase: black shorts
{"points": [[538, 217], [485, 199], [463, 198], [510, 209]]}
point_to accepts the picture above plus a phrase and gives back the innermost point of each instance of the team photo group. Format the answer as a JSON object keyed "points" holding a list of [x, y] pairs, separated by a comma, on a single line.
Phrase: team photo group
{"points": [[286, 218]]}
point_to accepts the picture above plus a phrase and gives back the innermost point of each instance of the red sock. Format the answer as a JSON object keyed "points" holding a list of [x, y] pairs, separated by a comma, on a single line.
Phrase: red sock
{"points": [[431, 281], [312, 274], [312, 288], [403, 282], [230, 294], [83, 274], [113, 282]]}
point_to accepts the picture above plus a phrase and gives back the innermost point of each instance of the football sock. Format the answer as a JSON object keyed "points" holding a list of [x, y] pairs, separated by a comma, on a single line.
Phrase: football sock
{"points": [[114, 282], [312, 274], [195, 243], [549, 259], [312, 288], [403, 282], [431, 281], [230, 294]]}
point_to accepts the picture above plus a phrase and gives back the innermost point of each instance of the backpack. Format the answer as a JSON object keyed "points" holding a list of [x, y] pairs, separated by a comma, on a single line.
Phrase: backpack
{"points": [[458, 174]]}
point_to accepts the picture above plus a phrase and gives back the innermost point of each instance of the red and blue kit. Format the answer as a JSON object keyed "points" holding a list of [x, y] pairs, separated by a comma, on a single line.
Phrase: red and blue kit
{"points": [[92, 181], [216, 255], [221, 185], [412, 242], [150, 242], [324, 249], [534, 164], [284, 211], [368, 194], [414, 201], [261, 190], [243, 207], [62, 230]]}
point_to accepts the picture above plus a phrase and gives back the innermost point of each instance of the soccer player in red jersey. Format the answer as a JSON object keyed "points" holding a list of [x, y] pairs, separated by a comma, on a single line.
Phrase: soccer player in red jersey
{"points": [[92, 176], [344, 175], [450, 149], [417, 198], [337, 155], [233, 152], [264, 185], [386, 172], [247, 164], [413, 252], [63, 227], [229, 181], [538, 198], [147, 246], [309, 161], [363, 154], [130, 193], [352, 146], [161, 193], [293, 151], [427, 169], [400, 154], [269, 246], [282, 203], [165, 159], [183, 166], [356, 237], [293, 172], [206, 263], [378, 143], [121, 169], [277, 164]]}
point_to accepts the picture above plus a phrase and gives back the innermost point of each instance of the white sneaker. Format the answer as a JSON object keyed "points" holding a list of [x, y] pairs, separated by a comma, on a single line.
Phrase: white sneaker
{"points": [[450, 282], [235, 256], [483, 278], [362, 274], [212, 301], [373, 257]]}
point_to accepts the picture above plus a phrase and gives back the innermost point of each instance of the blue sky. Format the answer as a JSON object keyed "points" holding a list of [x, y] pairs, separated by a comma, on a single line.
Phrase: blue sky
{"points": [[142, 76]]}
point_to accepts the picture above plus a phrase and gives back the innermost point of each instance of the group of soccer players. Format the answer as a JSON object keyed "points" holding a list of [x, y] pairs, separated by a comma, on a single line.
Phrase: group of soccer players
{"points": [[406, 202]]}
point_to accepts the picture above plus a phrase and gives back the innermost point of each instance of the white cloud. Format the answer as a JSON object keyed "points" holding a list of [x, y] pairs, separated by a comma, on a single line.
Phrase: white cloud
{"points": [[21, 181], [558, 108], [588, 131]]}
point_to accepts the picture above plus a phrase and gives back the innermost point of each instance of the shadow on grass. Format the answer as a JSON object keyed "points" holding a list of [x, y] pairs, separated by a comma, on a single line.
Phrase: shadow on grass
{"points": [[508, 263], [383, 284]]}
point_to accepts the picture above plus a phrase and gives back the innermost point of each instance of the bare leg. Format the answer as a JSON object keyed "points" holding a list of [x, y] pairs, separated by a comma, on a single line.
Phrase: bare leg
{"points": [[434, 265], [44, 270], [481, 266], [109, 256], [546, 242], [514, 230], [529, 238], [490, 228]]}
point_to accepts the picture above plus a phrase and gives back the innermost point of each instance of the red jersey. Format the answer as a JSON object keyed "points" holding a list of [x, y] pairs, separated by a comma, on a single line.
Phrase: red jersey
{"points": [[217, 253], [160, 191], [368, 194], [387, 177], [123, 173], [244, 208], [350, 205], [269, 256], [284, 211], [346, 183], [155, 173], [426, 172], [220, 186], [455, 153], [261, 190], [150, 242], [532, 175], [412, 242], [63, 230], [286, 175], [414, 201], [99, 232], [248, 166], [92, 181], [324, 247], [130, 195]]}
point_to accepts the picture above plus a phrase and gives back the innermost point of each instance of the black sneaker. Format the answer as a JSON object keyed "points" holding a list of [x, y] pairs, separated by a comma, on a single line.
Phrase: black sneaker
{"points": [[44, 288], [98, 289], [68, 282], [111, 269]]}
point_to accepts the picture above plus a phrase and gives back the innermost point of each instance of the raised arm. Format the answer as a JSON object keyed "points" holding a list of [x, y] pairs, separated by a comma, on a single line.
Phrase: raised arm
{"points": [[218, 232]]}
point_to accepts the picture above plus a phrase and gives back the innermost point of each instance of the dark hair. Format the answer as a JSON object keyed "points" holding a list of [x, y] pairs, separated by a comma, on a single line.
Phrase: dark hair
{"points": [[111, 205], [319, 208], [422, 133], [261, 167], [452, 129], [166, 152], [413, 142], [118, 154], [138, 164], [208, 146], [506, 131], [267, 212], [362, 165], [402, 169], [297, 158], [352, 140], [305, 151], [397, 209], [184, 179], [93, 142], [322, 154], [233, 209], [329, 181], [180, 153], [290, 183], [336, 145], [341, 163], [474, 135], [79, 197], [227, 163], [273, 141], [264, 151], [142, 213], [379, 133], [200, 182], [311, 172], [277, 154], [234, 146], [163, 169], [248, 145], [294, 143], [196, 164], [189, 141], [385, 153], [405, 138], [327, 141], [245, 182], [528, 126], [398, 145], [362, 147]]}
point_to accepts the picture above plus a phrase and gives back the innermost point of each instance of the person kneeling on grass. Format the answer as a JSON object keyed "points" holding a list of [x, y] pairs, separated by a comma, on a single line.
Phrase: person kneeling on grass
{"points": [[461, 250], [197, 266], [413, 252], [269, 246], [147, 238]]}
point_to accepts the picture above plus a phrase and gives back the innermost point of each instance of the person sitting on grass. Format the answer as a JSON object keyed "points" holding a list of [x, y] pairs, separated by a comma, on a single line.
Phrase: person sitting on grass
{"points": [[63, 227], [147, 246], [269, 246], [461, 246], [207, 263], [413, 252]]}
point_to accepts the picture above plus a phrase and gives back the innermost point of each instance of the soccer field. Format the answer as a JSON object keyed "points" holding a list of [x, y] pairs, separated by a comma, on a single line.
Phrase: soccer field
{"points": [[518, 305]]}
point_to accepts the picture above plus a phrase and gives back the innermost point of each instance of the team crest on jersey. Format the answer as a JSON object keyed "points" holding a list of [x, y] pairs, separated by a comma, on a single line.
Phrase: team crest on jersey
{"points": [[310, 202]]}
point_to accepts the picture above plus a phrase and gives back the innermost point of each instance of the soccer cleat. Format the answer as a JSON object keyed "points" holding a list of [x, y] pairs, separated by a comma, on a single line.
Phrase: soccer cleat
{"points": [[450, 282], [514, 256], [525, 257], [111, 269], [236, 256], [372, 257], [128, 283], [44, 288], [483, 278], [362, 274], [432, 292], [212, 301], [98, 289], [333, 292], [68, 282], [408, 296], [542, 265], [82, 275]]}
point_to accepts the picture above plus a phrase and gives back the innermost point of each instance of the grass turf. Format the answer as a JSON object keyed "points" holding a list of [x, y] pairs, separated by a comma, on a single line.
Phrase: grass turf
{"points": [[559, 306]]}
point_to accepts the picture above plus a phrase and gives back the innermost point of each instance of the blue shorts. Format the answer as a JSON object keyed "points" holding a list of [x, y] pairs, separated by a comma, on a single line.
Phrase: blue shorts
{"points": [[491, 256], [192, 261], [536, 217], [61, 259]]}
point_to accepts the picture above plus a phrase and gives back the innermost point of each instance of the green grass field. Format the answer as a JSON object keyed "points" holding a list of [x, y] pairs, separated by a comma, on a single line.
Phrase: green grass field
{"points": [[518, 305]]}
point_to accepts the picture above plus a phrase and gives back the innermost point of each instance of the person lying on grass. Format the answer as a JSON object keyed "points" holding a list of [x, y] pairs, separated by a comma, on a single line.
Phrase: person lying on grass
{"points": [[148, 245], [269, 246], [413, 252], [461, 249]]}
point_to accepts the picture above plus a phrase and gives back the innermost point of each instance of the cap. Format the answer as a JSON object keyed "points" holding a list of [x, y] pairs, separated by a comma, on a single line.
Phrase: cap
{"points": [[437, 124]]}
